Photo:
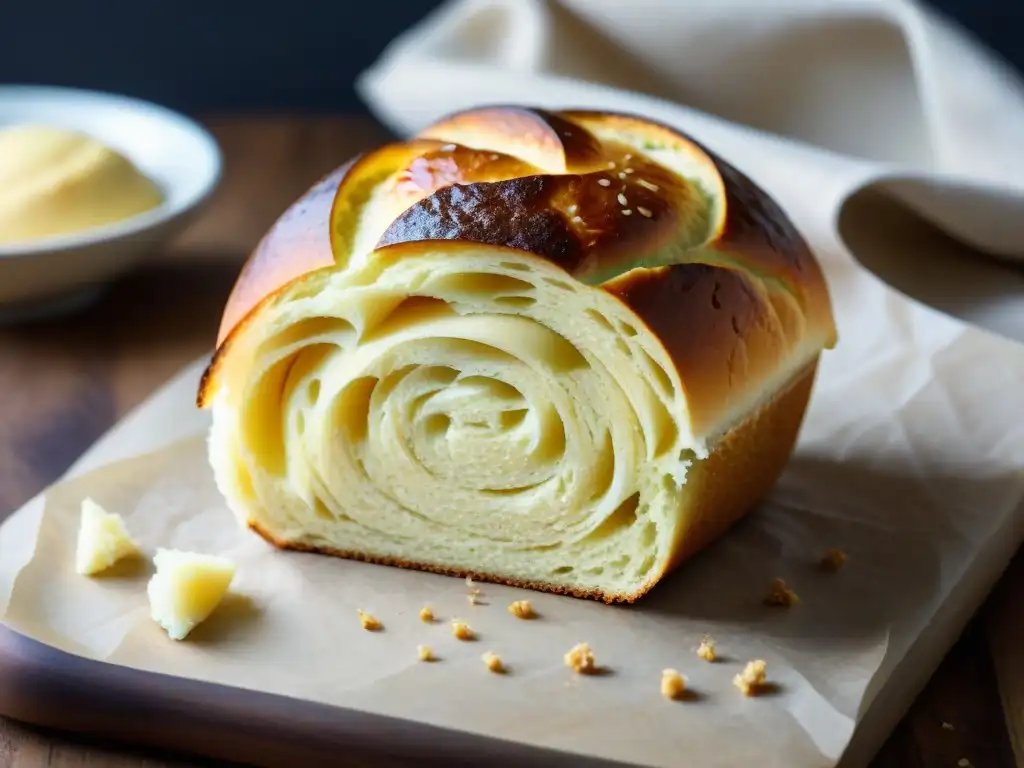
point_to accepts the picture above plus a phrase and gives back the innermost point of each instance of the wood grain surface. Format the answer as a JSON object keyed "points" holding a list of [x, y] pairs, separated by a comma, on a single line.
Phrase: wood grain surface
{"points": [[64, 382]]}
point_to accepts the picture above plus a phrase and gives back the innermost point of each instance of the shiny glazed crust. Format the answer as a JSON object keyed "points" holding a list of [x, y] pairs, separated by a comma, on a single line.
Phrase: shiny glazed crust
{"points": [[698, 256]]}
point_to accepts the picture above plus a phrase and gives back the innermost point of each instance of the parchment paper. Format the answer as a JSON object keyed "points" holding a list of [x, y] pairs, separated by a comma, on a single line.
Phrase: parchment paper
{"points": [[910, 460]]}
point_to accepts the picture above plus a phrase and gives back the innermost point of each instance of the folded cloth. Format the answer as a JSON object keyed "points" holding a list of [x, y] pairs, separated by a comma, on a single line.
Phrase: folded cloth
{"points": [[923, 117]]}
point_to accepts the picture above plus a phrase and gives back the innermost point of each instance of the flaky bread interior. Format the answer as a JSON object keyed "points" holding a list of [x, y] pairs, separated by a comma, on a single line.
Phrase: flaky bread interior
{"points": [[470, 409], [491, 369]]}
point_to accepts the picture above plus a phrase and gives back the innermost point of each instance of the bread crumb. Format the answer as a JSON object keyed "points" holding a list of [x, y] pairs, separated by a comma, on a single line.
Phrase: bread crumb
{"points": [[426, 614], [752, 678], [469, 582], [581, 659], [186, 589], [461, 630], [706, 650], [522, 609], [424, 652], [780, 595], [473, 596], [947, 726], [673, 686], [371, 623], [833, 560], [493, 662], [103, 540]]}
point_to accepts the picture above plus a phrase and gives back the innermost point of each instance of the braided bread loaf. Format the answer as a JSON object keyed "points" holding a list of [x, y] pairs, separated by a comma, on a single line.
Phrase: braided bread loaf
{"points": [[559, 350]]}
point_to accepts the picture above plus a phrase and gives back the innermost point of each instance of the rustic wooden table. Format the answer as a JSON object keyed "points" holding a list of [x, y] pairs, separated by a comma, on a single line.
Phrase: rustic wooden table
{"points": [[65, 381]]}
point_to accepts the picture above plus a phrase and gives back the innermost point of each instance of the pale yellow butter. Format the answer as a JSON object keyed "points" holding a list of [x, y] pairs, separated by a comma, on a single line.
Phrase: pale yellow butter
{"points": [[103, 540], [187, 588], [56, 182]]}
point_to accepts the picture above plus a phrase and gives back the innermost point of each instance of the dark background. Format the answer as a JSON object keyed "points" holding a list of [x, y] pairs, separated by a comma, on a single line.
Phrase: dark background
{"points": [[289, 55]]}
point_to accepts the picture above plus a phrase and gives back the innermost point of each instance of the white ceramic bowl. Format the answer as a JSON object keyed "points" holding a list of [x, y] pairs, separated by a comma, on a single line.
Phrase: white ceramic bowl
{"points": [[60, 274]]}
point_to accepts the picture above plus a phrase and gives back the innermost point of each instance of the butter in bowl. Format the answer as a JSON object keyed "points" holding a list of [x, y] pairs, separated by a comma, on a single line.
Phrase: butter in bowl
{"points": [[55, 181], [90, 184]]}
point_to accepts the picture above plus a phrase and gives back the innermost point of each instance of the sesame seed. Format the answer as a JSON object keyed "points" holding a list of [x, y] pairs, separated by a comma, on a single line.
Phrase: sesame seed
{"points": [[611, 165], [448, 148], [628, 170], [629, 157], [626, 212], [645, 212], [622, 175], [604, 182], [622, 199], [572, 210], [647, 185], [577, 220]]}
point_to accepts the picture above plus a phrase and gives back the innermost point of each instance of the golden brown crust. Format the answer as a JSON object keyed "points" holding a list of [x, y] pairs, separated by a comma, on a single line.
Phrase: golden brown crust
{"points": [[714, 326], [548, 140], [599, 208], [321, 223], [388, 180], [742, 469], [758, 233], [210, 380], [581, 189], [740, 472], [754, 231], [574, 221], [298, 243]]}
